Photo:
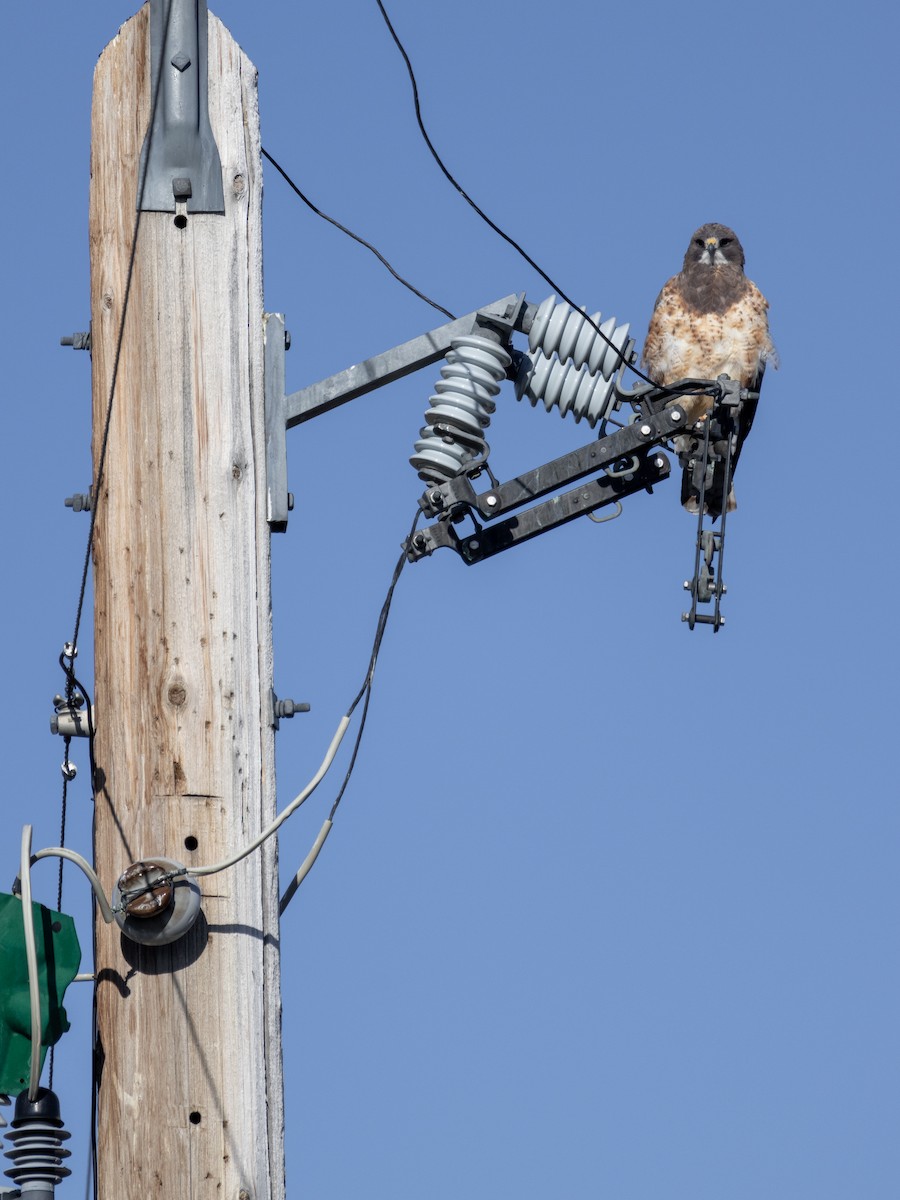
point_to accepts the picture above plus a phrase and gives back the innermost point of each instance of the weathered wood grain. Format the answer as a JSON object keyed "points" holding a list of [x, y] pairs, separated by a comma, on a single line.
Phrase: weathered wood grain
{"points": [[190, 1100]]}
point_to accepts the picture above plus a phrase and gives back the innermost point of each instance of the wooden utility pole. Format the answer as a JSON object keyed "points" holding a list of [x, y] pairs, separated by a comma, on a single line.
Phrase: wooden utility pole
{"points": [[190, 1084]]}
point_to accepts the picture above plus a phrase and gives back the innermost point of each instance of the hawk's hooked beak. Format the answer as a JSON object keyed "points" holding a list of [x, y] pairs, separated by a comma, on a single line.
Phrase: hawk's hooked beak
{"points": [[712, 245]]}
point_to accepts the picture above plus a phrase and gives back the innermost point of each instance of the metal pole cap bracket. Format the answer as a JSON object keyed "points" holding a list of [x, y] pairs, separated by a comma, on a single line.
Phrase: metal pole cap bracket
{"points": [[179, 160]]}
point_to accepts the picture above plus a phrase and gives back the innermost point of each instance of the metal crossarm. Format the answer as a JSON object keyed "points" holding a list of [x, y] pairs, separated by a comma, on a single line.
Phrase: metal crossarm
{"points": [[284, 412], [508, 313]]}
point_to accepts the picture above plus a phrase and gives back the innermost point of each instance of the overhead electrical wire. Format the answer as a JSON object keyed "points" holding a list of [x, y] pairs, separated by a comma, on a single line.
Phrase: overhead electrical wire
{"points": [[364, 691], [349, 232], [366, 688], [71, 649], [109, 912], [71, 682], [676, 391], [214, 868]]}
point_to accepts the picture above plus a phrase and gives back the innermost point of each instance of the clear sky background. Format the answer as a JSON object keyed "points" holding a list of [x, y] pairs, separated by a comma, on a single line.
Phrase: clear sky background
{"points": [[610, 908]]}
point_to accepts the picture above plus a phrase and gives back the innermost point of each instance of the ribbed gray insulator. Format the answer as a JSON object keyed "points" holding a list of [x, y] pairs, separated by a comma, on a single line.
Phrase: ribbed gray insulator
{"points": [[564, 386], [461, 408], [37, 1137], [565, 331]]}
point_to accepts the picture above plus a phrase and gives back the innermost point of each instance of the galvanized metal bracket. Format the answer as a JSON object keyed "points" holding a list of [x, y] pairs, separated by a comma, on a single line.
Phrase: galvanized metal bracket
{"points": [[507, 314], [180, 161], [284, 412], [277, 495]]}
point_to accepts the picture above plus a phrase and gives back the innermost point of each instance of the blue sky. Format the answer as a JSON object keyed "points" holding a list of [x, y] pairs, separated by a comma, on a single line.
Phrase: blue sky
{"points": [[610, 907]]}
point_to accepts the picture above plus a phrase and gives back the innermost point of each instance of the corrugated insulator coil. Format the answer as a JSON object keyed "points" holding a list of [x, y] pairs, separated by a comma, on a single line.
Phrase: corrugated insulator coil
{"points": [[452, 438], [570, 366]]}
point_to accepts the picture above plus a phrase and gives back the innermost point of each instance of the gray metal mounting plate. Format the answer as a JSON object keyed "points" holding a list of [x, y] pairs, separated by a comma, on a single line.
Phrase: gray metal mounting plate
{"points": [[179, 160]]}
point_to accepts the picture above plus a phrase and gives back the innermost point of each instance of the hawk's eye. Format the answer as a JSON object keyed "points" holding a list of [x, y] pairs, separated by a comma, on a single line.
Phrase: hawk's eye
{"points": [[725, 241], [699, 242]]}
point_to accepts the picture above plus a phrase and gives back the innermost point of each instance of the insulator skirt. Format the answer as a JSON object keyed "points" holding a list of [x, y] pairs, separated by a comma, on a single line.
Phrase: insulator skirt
{"points": [[559, 329], [461, 408], [564, 386], [570, 366], [37, 1152]]}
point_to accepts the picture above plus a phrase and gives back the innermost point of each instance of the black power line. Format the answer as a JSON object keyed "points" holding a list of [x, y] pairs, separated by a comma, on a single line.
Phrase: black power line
{"points": [[366, 689], [349, 232], [496, 228]]}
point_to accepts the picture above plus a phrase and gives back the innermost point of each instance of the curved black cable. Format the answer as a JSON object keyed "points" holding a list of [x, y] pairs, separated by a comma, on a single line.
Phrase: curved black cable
{"points": [[496, 228], [104, 443], [366, 689], [349, 232], [71, 681], [117, 357]]}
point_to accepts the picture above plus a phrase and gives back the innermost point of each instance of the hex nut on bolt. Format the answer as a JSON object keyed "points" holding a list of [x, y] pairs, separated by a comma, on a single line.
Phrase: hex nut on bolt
{"points": [[78, 341], [287, 708]]}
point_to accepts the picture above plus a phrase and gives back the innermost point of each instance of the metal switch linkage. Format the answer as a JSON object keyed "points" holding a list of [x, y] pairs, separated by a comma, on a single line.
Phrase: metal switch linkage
{"points": [[626, 468], [569, 365]]}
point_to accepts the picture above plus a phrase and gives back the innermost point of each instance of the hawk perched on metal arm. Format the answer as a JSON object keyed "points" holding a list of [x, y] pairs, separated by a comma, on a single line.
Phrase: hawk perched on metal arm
{"points": [[710, 320]]}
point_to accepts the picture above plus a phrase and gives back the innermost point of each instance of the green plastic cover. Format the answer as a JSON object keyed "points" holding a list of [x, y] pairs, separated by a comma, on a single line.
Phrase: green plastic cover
{"points": [[58, 956]]}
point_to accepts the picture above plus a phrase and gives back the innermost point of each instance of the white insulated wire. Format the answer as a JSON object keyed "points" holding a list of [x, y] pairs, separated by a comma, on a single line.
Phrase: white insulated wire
{"points": [[23, 886], [73, 857], [285, 813], [305, 867], [31, 955], [103, 902]]}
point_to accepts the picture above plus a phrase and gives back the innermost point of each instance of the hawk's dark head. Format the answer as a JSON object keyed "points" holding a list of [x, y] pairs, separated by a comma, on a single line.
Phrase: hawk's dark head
{"points": [[714, 245]]}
